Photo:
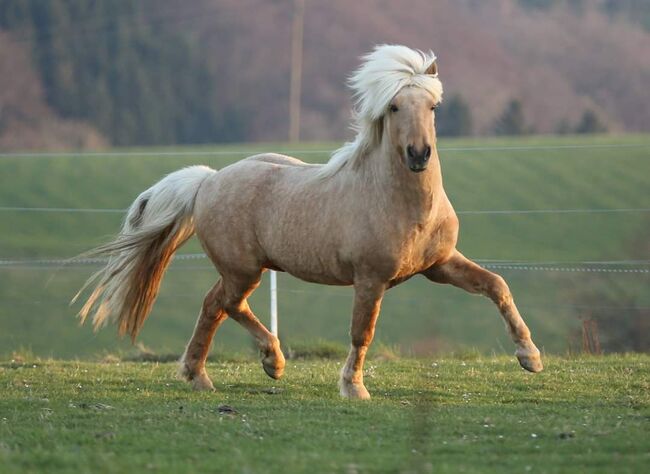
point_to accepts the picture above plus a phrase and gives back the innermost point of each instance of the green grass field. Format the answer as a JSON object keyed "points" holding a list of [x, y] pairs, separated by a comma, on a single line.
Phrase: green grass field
{"points": [[478, 414], [485, 174]]}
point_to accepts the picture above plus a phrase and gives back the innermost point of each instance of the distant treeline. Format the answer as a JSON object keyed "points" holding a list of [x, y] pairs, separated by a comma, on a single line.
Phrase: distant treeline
{"points": [[454, 119], [176, 72], [633, 10], [138, 82]]}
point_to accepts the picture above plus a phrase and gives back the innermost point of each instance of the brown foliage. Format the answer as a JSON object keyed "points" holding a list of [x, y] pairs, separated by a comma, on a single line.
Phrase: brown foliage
{"points": [[26, 122], [558, 61]]}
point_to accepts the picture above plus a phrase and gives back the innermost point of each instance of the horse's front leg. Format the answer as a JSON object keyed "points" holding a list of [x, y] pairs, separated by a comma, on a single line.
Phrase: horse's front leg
{"points": [[465, 274], [367, 301]]}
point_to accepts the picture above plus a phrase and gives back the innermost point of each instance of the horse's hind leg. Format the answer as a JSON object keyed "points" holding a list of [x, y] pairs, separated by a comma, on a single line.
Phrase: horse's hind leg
{"points": [[193, 361], [237, 288], [465, 274]]}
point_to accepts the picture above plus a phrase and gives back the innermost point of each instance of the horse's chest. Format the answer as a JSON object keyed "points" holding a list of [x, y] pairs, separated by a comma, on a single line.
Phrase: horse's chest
{"points": [[419, 249], [414, 256]]}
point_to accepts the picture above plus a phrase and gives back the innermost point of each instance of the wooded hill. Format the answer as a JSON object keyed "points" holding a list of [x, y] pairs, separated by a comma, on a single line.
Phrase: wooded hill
{"points": [[77, 74]]}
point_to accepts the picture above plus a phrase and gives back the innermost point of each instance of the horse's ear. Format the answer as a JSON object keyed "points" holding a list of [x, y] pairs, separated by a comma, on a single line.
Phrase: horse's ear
{"points": [[432, 69]]}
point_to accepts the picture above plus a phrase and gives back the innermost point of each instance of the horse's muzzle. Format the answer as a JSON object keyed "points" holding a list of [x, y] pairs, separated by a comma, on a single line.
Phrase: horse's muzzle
{"points": [[418, 168], [418, 159]]}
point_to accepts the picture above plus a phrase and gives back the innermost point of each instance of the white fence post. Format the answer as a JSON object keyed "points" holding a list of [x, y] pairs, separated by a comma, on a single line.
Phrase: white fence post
{"points": [[274, 303]]}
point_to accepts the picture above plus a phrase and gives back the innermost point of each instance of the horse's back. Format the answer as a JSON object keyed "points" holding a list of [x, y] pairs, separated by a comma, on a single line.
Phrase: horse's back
{"points": [[276, 159]]}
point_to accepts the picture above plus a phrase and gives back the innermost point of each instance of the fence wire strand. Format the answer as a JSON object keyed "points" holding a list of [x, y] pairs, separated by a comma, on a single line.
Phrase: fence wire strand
{"points": [[547, 266], [237, 152]]}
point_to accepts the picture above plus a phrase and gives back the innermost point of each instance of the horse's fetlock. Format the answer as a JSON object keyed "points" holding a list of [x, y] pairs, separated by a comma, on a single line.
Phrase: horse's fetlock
{"points": [[189, 368], [185, 372]]}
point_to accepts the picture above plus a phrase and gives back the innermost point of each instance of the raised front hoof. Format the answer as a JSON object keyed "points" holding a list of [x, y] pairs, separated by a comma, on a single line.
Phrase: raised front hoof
{"points": [[274, 365], [532, 362], [353, 391]]}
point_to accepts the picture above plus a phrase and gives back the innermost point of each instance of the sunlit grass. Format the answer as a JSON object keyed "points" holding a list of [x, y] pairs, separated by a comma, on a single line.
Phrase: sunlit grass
{"points": [[469, 414]]}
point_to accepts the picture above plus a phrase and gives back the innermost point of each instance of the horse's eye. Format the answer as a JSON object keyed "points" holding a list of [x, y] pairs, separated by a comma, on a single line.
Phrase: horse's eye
{"points": [[434, 107], [393, 108]]}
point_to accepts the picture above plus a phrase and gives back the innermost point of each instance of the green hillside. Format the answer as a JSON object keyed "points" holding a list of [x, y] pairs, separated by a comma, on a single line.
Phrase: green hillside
{"points": [[488, 174]]}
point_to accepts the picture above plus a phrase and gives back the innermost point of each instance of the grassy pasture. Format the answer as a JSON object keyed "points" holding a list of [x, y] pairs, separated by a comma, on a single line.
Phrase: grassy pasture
{"points": [[486, 174], [427, 415]]}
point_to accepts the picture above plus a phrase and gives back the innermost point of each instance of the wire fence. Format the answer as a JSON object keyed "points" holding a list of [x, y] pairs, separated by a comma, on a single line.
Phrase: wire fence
{"points": [[309, 151], [461, 212], [546, 266], [287, 292], [635, 268]]}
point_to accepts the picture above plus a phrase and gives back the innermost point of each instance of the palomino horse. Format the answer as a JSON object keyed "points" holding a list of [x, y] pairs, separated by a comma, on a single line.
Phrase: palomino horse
{"points": [[374, 216]]}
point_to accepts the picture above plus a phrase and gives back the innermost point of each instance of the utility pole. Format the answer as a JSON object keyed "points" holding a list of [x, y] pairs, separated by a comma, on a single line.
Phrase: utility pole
{"points": [[274, 303], [294, 122], [296, 69]]}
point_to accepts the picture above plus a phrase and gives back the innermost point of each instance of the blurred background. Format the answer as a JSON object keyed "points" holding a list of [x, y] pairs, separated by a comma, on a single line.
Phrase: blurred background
{"points": [[543, 142]]}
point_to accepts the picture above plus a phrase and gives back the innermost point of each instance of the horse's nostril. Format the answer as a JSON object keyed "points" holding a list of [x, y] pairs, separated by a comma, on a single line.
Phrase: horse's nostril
{"points": [[409, 151], [427, 152]]}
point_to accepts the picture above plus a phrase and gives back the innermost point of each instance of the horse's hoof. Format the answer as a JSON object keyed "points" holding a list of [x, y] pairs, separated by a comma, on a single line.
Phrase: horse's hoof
{"points": [[202, 383], [274, 365], [531, 361], [354, 391], [199, 381], [273, 371]]}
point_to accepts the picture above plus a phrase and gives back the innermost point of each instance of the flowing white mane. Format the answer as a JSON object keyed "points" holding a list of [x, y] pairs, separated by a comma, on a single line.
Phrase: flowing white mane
{"points": [[383, 73]]}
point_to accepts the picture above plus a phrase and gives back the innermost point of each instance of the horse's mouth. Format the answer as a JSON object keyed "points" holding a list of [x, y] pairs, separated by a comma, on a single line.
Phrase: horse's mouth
{"points": [[417, 169]]}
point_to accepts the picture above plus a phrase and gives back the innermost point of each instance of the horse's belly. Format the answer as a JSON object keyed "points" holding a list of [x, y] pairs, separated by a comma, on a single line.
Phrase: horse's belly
{"points": [[313, 270], [321, 278]]}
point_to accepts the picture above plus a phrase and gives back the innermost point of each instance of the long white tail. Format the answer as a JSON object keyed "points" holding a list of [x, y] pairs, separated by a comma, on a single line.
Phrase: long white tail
{"points": [[158, 222]]}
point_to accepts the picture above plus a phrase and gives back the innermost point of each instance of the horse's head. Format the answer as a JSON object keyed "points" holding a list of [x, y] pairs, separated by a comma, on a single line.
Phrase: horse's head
{"points": [[396, 89], [409, 125]]}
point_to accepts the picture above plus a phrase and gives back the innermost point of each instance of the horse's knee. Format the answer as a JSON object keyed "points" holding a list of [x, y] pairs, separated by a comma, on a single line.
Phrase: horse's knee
{"points": [[361, 333], [498, 291]]}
